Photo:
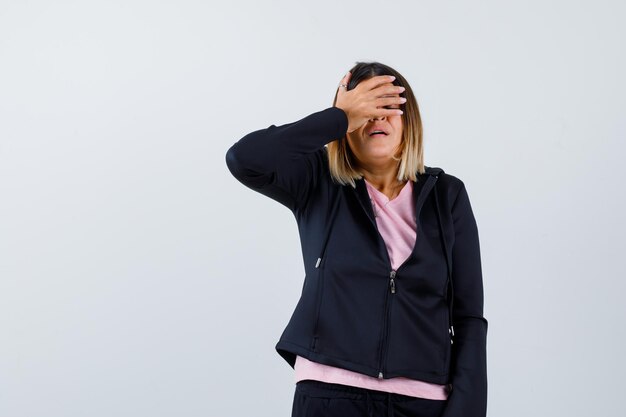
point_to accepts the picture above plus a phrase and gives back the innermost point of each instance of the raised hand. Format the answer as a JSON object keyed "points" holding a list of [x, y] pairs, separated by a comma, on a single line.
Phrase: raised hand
{"points": [[369, 99]]}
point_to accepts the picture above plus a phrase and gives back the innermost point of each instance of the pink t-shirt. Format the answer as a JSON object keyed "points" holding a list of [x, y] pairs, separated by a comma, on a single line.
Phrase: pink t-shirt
{"points": [[397, 225]]}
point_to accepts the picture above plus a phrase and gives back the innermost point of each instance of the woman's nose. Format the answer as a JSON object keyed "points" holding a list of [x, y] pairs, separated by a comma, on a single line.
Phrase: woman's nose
{"points": [[377, 118]]}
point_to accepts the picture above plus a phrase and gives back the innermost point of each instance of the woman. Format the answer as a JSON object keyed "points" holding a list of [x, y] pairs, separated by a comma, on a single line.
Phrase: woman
{"points": [[390, 319]]}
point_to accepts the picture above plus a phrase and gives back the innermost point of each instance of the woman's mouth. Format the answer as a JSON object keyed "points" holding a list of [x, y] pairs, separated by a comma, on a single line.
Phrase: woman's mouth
{"points": [[377, 134]]}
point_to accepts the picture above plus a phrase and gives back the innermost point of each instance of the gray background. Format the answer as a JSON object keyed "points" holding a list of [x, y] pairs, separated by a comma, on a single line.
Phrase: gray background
{"points": [[139, 278]]}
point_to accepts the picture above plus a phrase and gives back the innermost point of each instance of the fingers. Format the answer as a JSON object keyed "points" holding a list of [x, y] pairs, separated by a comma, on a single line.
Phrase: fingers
{"points": [[388, 89], [387, 94], [381, 84], [385, 113], [377, 81], [389, 106], [390, 101], [375, 96], [388, 112]]}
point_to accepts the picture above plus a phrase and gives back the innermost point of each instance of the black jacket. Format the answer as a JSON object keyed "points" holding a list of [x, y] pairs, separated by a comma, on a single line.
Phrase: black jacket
{"points": [[422, 321]]}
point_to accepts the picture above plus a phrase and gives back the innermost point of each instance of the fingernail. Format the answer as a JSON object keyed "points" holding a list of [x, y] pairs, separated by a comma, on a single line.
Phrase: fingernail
{"points": [[391, 78]]}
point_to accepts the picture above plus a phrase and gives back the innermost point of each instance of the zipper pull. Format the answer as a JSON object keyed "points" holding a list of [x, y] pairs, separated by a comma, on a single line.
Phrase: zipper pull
{"points": [[392, 282], [380, 375]]}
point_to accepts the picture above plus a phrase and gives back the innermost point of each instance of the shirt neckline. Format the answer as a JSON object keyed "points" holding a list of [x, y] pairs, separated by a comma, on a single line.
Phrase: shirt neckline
{"points": [[382, 198]]}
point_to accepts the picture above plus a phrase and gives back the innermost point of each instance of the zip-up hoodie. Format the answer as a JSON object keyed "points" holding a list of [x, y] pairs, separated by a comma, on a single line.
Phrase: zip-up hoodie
{"points": [[423, 320]]}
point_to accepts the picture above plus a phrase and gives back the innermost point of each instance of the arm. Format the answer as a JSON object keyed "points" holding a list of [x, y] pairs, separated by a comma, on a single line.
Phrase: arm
{"points": [[469, 356], [278, 161], [281, 162]]}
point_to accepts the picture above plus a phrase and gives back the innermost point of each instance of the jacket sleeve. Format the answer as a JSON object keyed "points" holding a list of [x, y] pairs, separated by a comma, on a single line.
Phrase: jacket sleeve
{"points": [[279, 161], [469, 351]]}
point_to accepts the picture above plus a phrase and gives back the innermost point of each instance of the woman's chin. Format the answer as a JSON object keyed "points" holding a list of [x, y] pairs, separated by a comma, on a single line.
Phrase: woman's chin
{"points": [[380, 155]]}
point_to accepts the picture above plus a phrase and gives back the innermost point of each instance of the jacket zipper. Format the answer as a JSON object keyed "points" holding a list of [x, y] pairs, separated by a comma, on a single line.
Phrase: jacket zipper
{"points": [[391, 290], [384, 339], [393, 275], [392, 282]]}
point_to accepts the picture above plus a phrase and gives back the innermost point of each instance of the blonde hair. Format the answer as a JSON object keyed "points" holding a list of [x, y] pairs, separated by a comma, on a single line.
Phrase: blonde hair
{"points": [[341, 160]]}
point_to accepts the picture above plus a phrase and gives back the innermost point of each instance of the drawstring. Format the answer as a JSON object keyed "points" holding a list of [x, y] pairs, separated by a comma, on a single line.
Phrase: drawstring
{"points": [[445, 250]]}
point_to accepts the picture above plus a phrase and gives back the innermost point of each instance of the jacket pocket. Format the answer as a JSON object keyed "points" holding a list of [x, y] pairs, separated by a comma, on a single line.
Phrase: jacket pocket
{"points": [[447, 342], [318, 303]]}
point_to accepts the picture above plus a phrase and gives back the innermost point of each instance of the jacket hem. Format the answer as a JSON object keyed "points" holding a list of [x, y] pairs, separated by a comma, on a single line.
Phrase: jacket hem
{"points": [[288, 351]]}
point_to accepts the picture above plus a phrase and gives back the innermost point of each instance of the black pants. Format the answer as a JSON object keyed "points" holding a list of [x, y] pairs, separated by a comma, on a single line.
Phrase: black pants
{"points": [[322, 399]]}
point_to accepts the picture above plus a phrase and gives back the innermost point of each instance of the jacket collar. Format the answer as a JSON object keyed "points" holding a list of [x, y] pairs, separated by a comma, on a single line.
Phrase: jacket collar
{"points": [[421, 188]]}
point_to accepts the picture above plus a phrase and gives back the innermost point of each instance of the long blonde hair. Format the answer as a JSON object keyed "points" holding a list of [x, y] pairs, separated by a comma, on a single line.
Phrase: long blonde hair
{"points": [[341, 160]]}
